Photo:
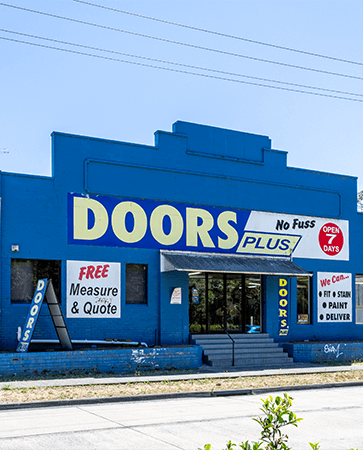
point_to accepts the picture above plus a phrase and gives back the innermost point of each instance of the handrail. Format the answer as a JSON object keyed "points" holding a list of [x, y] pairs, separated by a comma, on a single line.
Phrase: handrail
{"points": [[225, 330]]}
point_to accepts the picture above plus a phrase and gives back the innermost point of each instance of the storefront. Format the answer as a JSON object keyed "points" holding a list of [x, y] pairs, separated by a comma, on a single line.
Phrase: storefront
{"points": [[207, 231]]}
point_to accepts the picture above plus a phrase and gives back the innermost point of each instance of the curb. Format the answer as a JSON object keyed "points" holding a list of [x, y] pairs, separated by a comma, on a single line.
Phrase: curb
{"points": [[176, 395]]}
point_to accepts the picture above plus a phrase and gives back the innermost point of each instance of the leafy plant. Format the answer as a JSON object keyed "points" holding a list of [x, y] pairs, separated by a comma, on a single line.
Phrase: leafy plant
{"points": [[277, 414]]}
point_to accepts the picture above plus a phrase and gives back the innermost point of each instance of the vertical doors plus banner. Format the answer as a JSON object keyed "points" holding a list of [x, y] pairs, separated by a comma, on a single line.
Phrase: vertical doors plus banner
{"points": [[283, 307]]}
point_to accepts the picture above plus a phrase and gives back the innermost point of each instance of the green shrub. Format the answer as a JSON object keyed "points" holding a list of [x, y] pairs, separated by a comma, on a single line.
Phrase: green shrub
{"points": [[277, 414]]}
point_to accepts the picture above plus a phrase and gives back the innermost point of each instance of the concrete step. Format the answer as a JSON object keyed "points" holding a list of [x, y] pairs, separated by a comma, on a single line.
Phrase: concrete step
{"points": [[254, 362], [239, 345], [261, 341], [250, 350], [220, 352], [234, 336], [267, 355]]}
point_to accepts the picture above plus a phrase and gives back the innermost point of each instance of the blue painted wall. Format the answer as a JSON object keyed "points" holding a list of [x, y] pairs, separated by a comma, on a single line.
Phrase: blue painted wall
{"points": [[193, 164]]}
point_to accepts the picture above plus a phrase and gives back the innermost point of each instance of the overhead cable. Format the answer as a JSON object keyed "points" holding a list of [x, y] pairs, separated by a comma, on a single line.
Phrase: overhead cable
{"points": [[217, 33], [182, 43], [180, 64], [204, 75]]}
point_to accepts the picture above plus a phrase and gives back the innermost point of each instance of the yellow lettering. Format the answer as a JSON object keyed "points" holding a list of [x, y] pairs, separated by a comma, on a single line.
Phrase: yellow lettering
{"points": [[194, 230], [283, 323], [40, 285], [118, 221], [283, 302], [38, 297], [283, 313], [30, 323], [156, 224], [26, 335], [81, 207], [283, 292], [223, 223], [282, 282], [34, 310]]}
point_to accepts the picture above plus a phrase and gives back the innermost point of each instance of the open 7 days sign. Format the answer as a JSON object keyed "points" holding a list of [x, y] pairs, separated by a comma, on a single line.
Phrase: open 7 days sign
{"points": [[93, 290]]}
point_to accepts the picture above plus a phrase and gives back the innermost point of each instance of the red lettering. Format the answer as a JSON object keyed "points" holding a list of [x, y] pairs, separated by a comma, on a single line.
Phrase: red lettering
{"points": [[94, 272], [82, 272], [98, 272], [105, 271], [325, 282], [90, 270]]}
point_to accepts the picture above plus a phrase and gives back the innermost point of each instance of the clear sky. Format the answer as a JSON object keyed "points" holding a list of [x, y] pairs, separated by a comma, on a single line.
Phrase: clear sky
{"points": [[44, 90]]}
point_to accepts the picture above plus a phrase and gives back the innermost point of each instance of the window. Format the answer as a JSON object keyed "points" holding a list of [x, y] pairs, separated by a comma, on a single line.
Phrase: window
{"points": [[303, 300], [25, 274], [136, 284], [359, 298]]}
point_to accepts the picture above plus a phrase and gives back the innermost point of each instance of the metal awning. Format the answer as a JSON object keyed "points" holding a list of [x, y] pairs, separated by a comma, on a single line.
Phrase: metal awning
{"points": [[197, 262]]}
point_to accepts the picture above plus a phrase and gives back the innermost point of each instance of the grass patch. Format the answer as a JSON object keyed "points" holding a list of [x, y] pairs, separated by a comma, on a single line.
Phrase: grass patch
{"points": [[14, 395]]}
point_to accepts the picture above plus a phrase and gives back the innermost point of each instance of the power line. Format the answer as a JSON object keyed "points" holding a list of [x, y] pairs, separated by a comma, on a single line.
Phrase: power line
{"points": [[183, 43], [180, 64], [181, 71], [203, 30]]}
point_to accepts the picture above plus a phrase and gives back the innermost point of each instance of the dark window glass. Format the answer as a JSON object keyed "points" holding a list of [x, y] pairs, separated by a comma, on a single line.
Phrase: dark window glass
{"points": [[136, 284], [303, 300], [359, 298], [26, 272]]}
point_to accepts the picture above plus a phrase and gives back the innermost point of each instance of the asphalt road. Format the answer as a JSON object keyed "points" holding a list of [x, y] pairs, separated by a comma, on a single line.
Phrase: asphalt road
{"points": [[332, 416]]}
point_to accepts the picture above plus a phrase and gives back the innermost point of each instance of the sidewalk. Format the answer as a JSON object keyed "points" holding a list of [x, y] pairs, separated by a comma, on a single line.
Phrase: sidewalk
{"points": [[203, 372]]}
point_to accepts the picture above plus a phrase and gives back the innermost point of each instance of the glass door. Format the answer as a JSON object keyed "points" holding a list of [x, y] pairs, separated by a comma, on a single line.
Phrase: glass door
{"points": [[216, 303], [197, 303], [224, 301], [234, 297], [252, 304]]}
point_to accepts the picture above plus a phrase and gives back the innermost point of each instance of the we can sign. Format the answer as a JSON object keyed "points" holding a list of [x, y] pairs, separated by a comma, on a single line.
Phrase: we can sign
{"points": [[93, 289], [334, 297]]}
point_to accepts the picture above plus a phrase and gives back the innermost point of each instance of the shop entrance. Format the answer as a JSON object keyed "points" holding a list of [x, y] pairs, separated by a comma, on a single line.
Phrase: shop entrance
{"points": [[224, 301]]}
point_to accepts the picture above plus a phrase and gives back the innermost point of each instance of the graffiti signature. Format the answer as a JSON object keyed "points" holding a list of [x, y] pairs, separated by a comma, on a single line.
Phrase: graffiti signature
{"points": [[329, 348]]}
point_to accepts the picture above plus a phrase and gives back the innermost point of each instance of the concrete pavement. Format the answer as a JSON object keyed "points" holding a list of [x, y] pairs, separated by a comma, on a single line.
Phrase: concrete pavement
{"points": [[331, 416]]}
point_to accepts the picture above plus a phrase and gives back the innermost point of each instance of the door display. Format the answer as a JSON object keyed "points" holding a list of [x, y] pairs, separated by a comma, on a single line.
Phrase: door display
{"points": [[229, 302]]}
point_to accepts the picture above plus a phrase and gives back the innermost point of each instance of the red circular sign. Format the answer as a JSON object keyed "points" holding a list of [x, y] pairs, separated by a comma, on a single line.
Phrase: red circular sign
{"points": [[331, 239]]}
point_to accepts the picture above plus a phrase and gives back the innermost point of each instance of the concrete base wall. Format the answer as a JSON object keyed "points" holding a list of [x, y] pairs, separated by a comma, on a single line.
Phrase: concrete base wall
{"points": [[316, 352], [115, 360]]}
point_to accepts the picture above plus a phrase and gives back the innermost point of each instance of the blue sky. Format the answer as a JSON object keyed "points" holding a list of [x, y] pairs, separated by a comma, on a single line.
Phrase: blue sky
{"points": [[44, 90]]}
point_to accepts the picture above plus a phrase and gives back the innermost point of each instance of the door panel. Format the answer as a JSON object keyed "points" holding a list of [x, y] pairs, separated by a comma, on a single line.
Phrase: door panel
{"points": [[224, 301]]}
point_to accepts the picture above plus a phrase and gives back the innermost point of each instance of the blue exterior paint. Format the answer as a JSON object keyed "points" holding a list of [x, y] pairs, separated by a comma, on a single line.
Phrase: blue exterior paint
{"points": [[325, 352], [193, 165], [107, 360]]}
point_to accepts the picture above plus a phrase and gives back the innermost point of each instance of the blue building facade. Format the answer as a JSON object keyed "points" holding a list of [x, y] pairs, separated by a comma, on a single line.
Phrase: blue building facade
{"points": [[205, 231]]}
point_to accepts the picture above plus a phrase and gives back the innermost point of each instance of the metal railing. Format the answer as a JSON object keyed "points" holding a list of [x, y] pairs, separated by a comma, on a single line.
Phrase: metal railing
{"points": [[230, 337]]}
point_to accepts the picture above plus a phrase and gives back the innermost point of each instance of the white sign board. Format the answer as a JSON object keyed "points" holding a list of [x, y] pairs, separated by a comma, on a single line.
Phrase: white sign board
{"points": [[93, 290], [334, 297], [320, 238], [176, 298]]}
